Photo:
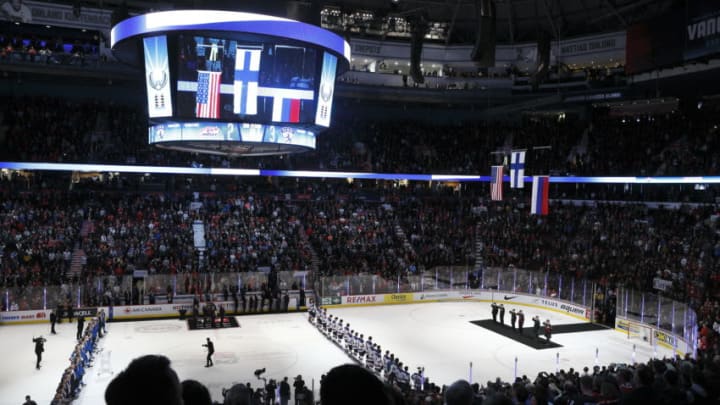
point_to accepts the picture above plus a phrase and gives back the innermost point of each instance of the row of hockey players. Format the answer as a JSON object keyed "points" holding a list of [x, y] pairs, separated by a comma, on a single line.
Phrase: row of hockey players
{"points": [[366, 351]]}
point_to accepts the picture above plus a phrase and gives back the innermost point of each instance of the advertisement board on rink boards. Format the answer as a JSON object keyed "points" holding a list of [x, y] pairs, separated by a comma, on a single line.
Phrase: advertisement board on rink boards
{"points": [[567, 308], [123, 312]]}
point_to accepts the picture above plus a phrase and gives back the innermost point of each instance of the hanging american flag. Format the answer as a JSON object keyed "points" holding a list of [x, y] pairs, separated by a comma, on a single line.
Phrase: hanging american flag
{"points": [[208, 94], [496, 183]]}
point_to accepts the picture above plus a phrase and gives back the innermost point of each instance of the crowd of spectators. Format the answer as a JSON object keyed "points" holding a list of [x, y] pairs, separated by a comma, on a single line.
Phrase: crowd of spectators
{"points": [[353, 237], [47, 129], [38, 232], [339, 232]]}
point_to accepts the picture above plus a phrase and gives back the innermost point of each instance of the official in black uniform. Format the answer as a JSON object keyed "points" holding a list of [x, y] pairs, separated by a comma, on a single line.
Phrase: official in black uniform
{"points": [[502, 314], [39, 349], [210, 351], [494, 311], [53, 321], [221, 315], [80, 326], [211, 313], [513, 318], [536, 326]]}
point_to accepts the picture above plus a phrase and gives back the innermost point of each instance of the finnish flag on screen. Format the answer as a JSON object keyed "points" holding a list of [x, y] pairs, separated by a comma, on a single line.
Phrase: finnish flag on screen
{"points": [[245, 88]]}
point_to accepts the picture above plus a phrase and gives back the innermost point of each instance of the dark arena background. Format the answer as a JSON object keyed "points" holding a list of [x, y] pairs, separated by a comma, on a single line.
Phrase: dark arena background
{"points": [[463, 202]]}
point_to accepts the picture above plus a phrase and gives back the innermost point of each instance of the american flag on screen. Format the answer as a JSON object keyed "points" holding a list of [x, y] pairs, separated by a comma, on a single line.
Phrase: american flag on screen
{"points": [[208, 94], [496, 183]]}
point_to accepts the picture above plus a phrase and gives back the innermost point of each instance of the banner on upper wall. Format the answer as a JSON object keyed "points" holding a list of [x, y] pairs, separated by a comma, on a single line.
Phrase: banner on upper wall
{"points": [[61, 15], [687, 33], [702, 29]]}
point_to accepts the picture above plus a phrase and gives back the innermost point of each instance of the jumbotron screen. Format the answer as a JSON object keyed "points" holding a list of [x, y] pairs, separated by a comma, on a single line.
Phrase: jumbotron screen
{"points": [[233, 82], [239, 81]]}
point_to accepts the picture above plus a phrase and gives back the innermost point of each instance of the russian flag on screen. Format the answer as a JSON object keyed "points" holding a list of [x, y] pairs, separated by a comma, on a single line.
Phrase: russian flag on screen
{"points": [[286, 109], [540, 203]]}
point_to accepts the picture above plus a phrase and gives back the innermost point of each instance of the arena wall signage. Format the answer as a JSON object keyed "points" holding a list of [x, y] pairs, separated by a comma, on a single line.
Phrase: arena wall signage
{"points": [[61, 15], [567, 308], [24, 317]]}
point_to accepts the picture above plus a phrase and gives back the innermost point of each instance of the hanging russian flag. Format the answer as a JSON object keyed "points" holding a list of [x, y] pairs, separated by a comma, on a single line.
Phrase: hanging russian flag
{"points": [[540, 203]]}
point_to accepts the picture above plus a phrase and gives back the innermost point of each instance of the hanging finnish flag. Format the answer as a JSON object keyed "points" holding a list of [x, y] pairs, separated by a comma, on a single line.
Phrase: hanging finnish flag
{"points": [[245, 87], [540, 202], [517, 169]]}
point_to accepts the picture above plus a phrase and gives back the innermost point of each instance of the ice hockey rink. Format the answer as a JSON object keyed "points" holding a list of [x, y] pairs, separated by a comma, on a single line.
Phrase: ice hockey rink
{"points": [[437, 336]]}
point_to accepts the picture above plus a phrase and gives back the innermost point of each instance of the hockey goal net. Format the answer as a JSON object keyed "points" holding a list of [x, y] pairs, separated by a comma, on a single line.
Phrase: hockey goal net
{"points": [[636, 330]]}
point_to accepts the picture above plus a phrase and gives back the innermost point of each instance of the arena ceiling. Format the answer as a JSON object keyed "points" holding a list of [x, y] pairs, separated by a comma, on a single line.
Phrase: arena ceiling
{"points": [[516, 20], [525, 20]]}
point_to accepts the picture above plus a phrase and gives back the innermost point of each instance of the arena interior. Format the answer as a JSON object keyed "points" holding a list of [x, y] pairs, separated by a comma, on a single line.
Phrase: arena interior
{"points": [[360, 202]]}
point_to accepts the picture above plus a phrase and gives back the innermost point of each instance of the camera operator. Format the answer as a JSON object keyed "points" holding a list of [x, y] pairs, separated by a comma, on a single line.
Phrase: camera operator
{"points": [[284, 392], [270, 388], [299, 386]]}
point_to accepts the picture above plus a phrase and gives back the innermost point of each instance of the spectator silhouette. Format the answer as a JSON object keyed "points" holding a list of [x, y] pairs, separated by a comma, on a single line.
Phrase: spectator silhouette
{"points": [[239, 394], [353, 385], [148, 380], [195, 393], [459, 393]]}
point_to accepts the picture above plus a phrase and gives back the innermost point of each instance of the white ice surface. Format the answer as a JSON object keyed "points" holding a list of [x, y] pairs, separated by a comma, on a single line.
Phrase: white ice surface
{"points": [[438, 336]]}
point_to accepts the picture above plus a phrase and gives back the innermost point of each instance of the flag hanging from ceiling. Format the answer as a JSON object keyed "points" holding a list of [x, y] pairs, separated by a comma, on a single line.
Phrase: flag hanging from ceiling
{"points": [[517, 168], [496, 183], [540, 202], [208, 94], [245, 87]]}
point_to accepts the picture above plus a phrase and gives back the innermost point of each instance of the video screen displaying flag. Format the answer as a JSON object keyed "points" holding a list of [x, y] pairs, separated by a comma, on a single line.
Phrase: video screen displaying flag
{"points": [[227, 79], [247, 76], [208, 95]]}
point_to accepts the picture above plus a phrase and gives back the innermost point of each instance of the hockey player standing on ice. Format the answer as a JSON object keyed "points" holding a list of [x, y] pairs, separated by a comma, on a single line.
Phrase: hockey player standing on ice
{"points": [[494, 311]]}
